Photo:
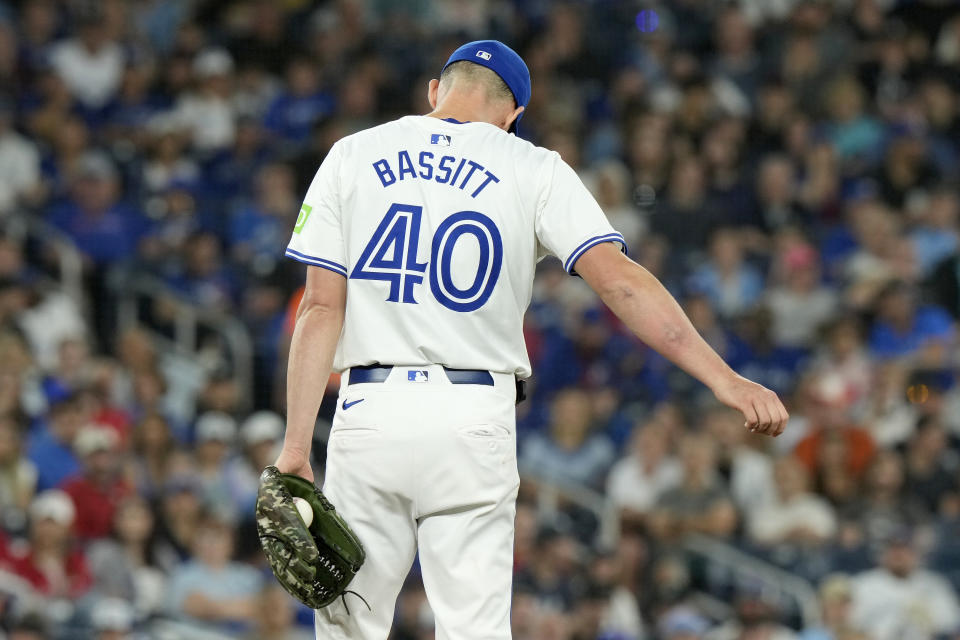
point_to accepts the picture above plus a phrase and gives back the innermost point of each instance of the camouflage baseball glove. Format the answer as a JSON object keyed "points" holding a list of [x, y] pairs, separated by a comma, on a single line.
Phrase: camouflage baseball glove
{"points": [[314, 565]]}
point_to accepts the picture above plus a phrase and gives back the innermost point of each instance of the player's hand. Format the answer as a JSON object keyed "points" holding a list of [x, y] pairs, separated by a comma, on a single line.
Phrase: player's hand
{"points": [[761, 408], [296, 463]]}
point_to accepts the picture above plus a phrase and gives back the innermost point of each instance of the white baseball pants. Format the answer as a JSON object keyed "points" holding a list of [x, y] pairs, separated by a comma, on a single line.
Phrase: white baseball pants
{"points": [[416, 463]]}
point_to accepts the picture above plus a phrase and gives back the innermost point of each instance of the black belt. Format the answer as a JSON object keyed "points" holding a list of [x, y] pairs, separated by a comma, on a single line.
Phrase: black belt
{"points": [[378, 373]]}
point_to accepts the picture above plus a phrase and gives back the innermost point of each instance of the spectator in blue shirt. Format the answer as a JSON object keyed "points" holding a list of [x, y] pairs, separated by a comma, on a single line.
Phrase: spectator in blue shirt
{"points": [[570, 454], [103, 229], [211, 592], [732, 284], [902, 326], [303, 103], [229, 176], [204, 278], [50, 448], [936, 238], [260, 230]]}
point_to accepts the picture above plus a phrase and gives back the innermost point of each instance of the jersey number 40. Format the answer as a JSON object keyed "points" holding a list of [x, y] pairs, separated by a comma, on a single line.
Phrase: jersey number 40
{"points": [[391, 256]]}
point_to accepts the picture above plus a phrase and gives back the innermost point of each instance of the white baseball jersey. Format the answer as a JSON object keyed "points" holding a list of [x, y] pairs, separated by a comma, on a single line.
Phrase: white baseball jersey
{"points": [[438, 226]]}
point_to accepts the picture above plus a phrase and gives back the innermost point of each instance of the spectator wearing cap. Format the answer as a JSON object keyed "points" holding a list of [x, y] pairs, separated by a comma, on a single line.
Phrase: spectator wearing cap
{"points": [[210, 591], [51, 447], [207, 113], [19, 164], [836, 597], [899, 599], [832, 435], [801, 303], [100, 486], [50, 562], [260, 435], [103, 229], [216, 434]]}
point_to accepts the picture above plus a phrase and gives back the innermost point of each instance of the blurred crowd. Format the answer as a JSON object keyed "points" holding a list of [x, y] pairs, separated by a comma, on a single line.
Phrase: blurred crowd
{"points": [[788, 168]]}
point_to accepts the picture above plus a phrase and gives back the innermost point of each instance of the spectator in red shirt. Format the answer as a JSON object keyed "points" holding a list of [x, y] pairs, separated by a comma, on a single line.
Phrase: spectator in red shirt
{"points": [[50, 562], [100, 486], [832, 432]]}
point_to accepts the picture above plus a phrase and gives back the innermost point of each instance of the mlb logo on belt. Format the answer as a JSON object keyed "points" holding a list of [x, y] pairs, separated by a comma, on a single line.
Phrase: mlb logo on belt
{"points": [[484, 55], [441, 139], [418, 376]]}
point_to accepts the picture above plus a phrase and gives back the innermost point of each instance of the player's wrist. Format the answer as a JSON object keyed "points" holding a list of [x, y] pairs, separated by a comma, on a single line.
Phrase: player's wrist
{"points": [[724, 381], [291, 454]]}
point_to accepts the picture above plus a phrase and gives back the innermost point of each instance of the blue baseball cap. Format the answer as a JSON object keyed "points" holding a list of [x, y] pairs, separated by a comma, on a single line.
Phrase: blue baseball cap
{"points": [[503, 61]]}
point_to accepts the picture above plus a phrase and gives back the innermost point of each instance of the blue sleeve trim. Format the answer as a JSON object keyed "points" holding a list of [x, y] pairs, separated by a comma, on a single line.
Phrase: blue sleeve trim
{"points": [[592, 242], [317, 262]]}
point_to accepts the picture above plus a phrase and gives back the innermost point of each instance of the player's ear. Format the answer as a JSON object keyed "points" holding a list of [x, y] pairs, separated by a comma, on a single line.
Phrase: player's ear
{"points": [[433, 90], [511, 117]]}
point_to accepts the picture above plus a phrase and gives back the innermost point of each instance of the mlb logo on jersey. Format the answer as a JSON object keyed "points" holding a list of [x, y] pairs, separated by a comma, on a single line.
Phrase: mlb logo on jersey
{"points": [[440, 139], [418, 376], [484, 55]]}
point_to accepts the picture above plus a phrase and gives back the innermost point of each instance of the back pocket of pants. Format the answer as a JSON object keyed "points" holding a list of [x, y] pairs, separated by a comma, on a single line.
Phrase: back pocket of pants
{"points": [[493, 446]]}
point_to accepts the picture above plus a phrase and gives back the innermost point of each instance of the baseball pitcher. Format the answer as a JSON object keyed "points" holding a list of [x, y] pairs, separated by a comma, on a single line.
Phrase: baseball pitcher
{"points": [[422, 236]]}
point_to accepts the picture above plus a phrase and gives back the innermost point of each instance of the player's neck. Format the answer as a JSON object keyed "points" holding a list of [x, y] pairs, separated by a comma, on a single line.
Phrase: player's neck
{"points": [[463, 108], [461, 115], [450, 115]]}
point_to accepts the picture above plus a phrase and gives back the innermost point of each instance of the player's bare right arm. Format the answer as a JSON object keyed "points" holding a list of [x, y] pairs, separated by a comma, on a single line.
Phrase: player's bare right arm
{"points": [[315, 336], [650, 312]]}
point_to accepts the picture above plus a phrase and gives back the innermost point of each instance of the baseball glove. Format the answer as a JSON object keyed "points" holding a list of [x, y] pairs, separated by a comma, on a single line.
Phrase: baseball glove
{"points": [[313, 564]]}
